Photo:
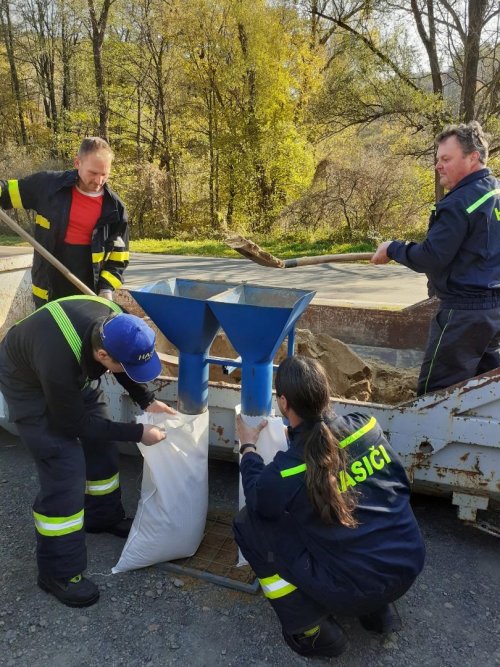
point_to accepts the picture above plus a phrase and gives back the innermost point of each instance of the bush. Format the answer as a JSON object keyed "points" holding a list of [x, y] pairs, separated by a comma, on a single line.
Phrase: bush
{"points": [[365, 196]]}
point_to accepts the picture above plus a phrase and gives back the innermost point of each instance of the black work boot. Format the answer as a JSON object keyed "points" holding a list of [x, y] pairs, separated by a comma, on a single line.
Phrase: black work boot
{"points": [[325, 639], [120, 529], [74, 592], [384, 620]]}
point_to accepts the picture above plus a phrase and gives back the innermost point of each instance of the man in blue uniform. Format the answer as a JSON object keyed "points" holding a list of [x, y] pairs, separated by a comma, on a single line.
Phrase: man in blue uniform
{"points": [[461, 257], [50, 366]]}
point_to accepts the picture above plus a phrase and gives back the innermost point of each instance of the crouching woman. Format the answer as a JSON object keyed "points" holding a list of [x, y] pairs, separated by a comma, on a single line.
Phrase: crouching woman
{"points": [[328, 527]]}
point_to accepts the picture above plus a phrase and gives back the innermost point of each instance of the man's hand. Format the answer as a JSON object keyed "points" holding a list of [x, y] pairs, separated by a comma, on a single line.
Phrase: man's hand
{"points": [[381, 256], [106, 294], [152, 435], [248, 434], [159, 406]]}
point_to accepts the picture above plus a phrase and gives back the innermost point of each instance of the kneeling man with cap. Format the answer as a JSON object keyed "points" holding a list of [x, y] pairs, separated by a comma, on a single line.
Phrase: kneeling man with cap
{"points": [[50, 365]]}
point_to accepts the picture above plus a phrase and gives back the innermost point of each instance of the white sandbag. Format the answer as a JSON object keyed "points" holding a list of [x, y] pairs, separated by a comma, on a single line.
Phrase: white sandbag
{"points": [[172, 510], [272, 439]]}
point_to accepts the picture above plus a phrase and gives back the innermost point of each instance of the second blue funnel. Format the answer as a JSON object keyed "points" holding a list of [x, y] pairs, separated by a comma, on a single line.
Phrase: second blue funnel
{"points": [[256, 320]]}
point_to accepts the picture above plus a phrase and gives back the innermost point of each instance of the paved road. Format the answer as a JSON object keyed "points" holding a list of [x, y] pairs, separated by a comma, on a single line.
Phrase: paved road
{"points": [[354, 283], [150, 618]]}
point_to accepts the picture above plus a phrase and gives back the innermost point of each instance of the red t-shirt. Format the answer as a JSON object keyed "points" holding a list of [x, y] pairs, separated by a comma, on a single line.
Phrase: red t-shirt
{"points": [[84, 213]]}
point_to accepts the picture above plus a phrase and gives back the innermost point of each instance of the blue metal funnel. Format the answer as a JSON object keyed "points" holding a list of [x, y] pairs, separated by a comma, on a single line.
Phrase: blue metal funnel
{"points": [[179, 308], [256, 320]]}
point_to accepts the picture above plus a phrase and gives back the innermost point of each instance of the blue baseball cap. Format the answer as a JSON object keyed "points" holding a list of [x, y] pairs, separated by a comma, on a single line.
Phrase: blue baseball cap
{"points": [[131, 342]]}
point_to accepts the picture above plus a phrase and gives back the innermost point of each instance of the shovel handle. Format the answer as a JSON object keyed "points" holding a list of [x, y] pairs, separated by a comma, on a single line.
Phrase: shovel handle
{"points": [[325, 259], [45, 254]]}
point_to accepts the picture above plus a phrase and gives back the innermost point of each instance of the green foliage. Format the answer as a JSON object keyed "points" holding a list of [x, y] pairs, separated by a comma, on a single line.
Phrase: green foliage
{"points": [[9, 240], [362, 191], [227, 115], [285, 248]]}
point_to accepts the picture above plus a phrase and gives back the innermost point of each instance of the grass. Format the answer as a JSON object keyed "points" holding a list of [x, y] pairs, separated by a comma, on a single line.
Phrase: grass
{"points": [[6, 239], [284, 248]]}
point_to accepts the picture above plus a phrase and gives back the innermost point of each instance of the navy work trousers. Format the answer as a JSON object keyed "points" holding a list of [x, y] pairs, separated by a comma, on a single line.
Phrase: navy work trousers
{"points": [[297, 611], [64, 465], [461, 345]]}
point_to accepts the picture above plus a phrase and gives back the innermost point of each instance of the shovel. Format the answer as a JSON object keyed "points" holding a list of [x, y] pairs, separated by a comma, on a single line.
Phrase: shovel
{"points": [[252, 251], [46, 254]]}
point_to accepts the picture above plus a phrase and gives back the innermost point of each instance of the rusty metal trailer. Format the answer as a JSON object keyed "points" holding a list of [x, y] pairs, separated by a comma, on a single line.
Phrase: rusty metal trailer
{"points": [[449, 441]]}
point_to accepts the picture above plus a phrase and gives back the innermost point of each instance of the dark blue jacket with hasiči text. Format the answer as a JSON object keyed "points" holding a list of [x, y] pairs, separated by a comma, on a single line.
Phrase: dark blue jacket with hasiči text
{"points": [[382, 553]]}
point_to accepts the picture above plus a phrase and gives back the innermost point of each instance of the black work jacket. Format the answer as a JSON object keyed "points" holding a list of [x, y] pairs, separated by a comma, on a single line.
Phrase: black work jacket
{"points": [[39, 372], [382, 552], [461, 252], [49, 194]]}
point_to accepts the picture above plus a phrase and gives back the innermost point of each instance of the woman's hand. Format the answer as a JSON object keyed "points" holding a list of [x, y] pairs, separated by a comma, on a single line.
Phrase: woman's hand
{"points": [[159, 406], [152, 435], [248, 434]]}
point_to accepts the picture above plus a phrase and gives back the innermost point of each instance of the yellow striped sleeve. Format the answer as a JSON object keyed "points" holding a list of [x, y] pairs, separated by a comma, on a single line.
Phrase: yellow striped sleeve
{"points": [[112, 280], [14, 194], [122, 256], [97, 257]]}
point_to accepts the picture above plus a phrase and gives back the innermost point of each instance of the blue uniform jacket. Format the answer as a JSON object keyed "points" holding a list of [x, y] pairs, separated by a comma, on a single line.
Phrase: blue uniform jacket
{"points": [[381, 554], [461, 252]]}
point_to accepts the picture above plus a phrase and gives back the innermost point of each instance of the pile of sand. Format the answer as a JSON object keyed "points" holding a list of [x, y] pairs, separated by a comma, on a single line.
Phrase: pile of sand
{"points": [[350, 376]]}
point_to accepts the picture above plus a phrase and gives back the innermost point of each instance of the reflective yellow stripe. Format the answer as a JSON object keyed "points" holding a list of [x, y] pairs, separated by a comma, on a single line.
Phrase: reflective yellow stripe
{"points": [[97, 299], [112, 280], [101, 487], [43, 222], [67, 329], [359, 433], [275, 587], [40, 293], [481, 200], [288, 472], [53, 526], [14, 194], [97, 257], [122, 256]]}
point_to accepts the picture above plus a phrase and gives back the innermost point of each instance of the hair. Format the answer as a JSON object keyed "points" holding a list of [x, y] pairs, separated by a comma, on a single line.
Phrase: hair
{"points": [[304, 384], [96, 335], [93, 145], [470, 136]]}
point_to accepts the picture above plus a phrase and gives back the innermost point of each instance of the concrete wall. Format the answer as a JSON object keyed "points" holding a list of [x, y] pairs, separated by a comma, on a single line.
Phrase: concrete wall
{"points": [[15, 289]]}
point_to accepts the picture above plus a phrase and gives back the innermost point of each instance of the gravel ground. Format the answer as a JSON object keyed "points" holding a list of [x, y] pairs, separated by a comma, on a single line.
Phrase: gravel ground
{"points": [[148, 618]]}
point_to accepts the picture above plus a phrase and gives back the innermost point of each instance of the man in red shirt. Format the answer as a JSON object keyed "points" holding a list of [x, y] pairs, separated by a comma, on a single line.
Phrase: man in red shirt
{"points": [[79, 219]]}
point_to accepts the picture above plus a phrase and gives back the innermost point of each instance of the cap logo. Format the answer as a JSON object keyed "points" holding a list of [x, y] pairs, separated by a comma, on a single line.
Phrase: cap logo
{"points": [[145, 357]]}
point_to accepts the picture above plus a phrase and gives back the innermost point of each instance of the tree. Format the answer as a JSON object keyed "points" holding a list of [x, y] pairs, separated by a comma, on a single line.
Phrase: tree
{"points": [[97, 31], [8, 38], [444, 26]]}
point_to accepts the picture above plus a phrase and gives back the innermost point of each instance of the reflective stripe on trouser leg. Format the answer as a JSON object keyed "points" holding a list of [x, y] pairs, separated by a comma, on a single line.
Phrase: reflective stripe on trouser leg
{"points": [[103, 506], [295, 610], [58, 507], [275, 587], [55, 526], [102, 487]]}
